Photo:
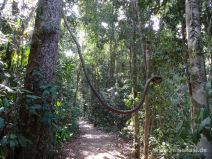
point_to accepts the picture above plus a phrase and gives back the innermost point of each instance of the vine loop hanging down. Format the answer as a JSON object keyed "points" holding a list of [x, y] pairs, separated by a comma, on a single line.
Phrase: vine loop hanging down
{"points": [[104, 103]]}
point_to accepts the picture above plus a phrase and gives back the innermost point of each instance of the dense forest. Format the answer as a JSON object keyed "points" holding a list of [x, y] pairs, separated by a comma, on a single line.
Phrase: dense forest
{"points": [[137, 69]]}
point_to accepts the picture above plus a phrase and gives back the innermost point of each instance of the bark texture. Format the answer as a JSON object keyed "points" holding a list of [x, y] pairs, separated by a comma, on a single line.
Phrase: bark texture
{"points": [[196, 58], [147, 112], [44, 47], [196, 67], [133, 50], [40, 71], [134, 93]]}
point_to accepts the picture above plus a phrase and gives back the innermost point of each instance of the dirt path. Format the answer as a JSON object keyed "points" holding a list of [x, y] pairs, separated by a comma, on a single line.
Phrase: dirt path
{"points": [[95, 144]]}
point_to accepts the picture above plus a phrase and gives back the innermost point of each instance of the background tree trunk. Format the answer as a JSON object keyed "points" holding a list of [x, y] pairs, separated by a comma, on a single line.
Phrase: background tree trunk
{"points": [[145, 54], [134, 93], [146, 107], [137, 139]]}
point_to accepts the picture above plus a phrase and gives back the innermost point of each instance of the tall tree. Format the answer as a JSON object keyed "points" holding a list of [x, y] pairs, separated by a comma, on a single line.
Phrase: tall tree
{"points": [[147, 106], [197, 68], [134, 93], [145, 54], [134, 62], [40, 72]]}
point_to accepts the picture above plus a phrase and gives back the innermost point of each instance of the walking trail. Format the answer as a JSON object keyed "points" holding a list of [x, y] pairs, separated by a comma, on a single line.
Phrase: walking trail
{"points": [[95, 144]]}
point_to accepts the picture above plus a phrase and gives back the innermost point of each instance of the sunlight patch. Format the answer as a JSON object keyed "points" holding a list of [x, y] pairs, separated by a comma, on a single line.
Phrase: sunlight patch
{"points": [[90, 136], [103, 155]]}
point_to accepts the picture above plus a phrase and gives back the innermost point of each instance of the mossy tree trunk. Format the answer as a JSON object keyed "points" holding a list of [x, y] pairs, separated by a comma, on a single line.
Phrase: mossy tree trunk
{"points": [[197, 69], [40, 72]]}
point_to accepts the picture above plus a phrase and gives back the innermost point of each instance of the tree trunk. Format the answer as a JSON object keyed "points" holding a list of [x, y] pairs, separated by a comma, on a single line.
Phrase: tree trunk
{"points": [[113, 46], [77, 87], [137, 140], [112, 65], [196, 68], [145, 55], [134, 93], [186, 58], [40, 72], [147, 108]]}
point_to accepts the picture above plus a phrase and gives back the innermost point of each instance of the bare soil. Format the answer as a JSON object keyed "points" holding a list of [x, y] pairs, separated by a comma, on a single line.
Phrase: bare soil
{"points": [[95, 144]]}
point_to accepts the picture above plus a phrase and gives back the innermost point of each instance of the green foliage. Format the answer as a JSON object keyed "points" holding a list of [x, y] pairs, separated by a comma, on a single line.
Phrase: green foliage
{"points": [[203, 126], [5, 26], [1, 123], [58, 114], [12, 141], [107, 28], [66, 105], [69, 127]]}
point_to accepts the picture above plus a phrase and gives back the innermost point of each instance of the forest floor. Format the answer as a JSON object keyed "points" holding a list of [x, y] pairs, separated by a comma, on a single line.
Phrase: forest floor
{"points": [[95, 144]]}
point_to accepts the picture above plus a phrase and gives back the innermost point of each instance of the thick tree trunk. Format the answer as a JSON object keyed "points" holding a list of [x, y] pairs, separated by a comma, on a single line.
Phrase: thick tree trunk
{"points": [[44, 47], [40, 71], [186, 58], [196, 68]]}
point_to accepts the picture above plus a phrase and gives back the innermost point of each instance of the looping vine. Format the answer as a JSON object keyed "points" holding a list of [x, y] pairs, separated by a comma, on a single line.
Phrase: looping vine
{"points": [[104, 103]]}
